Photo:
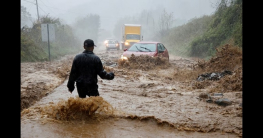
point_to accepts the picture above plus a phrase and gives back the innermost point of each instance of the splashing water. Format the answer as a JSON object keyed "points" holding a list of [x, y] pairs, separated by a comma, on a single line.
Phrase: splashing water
{"points": [[77, 108]]}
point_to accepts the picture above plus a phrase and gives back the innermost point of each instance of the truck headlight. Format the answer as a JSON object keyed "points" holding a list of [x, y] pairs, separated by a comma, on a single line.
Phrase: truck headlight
{"points": [[126, 43]]}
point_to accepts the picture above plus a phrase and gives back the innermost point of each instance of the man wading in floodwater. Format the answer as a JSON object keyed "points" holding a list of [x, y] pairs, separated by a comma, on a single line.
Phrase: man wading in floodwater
{"points": [[85, 68]]}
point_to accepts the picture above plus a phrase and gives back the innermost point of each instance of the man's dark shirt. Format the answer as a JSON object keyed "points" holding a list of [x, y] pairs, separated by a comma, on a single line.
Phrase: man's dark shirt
{"points": [[85, 68]]}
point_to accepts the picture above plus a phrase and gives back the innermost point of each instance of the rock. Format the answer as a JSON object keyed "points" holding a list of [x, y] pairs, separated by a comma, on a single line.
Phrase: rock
{"points": [[203, 95], [214, 76], [223, 102], [218, 94], [209, 101]]}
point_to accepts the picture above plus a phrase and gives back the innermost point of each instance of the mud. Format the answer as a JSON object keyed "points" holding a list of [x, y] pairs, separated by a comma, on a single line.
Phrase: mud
{"points": [[144, 100], [39, 79]]}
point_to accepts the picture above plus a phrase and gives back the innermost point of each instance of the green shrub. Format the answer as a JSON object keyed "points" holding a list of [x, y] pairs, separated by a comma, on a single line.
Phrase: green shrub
{"points": [[201, 36], [34, 49], [226, 25]]}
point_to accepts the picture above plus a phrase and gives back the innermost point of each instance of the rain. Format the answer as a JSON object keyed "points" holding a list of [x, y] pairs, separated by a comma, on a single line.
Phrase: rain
{"points": [[190, 88]]}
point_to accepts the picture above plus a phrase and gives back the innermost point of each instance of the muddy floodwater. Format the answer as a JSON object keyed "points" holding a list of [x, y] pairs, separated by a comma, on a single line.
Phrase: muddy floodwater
{"points": [[112, 126], [138, 103]]}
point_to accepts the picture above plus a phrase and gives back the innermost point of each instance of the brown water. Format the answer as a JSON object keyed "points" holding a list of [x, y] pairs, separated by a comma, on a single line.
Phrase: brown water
{"points": [[137, 103], [109, 128], [107, 123]]}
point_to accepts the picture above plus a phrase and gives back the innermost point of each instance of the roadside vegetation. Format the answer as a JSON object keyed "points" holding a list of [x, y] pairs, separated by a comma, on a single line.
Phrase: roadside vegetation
{"points": [[178, 39], [68, 39], [34, 49], [30, 51], [199, 37]]}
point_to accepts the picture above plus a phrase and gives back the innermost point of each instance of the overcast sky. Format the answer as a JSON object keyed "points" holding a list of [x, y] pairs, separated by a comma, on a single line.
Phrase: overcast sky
{"points": [[111, 10]]}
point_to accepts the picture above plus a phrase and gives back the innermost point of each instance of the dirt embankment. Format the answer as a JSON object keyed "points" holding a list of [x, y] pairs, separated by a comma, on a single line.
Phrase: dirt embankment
{"points": [[40, 78]]}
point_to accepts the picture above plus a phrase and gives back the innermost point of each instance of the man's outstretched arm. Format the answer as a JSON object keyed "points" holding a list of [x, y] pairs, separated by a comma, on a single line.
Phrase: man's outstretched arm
{"points": [[103, 74]]}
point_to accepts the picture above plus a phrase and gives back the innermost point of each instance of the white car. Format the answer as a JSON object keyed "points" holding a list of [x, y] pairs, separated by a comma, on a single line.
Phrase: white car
{"points": [[112, 44]]}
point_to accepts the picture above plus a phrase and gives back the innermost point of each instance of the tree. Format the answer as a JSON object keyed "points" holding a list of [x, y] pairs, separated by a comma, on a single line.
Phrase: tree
{"points": [[165, 22], [88, 27], [26, 19]]}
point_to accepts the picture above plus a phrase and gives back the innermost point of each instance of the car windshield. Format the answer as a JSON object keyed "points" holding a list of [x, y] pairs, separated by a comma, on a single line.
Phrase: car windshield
{"points": [[133, 36], [143, 47], [111, 42]]}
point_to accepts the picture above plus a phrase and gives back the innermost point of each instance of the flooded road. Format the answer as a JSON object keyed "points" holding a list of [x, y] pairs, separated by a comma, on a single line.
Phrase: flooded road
{"points": [[122, 125], [137, 103]]}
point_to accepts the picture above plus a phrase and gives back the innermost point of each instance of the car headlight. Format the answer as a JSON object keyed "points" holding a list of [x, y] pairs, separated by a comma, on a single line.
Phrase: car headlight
{"points": [[117, 44], [126, 43], [123, 57]]}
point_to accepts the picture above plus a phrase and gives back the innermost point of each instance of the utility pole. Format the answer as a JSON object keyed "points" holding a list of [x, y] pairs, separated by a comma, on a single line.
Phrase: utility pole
{"points": [[37, 12], [48, 42], [37, 9]]}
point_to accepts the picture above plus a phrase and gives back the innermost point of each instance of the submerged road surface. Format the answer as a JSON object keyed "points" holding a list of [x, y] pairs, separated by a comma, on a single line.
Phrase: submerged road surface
{"points": [[33, 125], [137, 103]]}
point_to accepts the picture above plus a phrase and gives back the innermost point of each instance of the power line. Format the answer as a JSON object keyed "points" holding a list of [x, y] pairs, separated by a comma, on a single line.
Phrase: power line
{"points": [[53, 8], [42, 10], [44, 4], [29, 2], [37, 7], [50, 8]]}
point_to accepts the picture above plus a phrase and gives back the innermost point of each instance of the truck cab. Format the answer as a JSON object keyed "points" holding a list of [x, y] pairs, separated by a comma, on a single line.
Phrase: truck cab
{"points": [[131, 33]]}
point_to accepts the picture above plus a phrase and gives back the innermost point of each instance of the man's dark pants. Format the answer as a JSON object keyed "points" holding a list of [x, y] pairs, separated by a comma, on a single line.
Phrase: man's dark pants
{"points": [[87, 89]]}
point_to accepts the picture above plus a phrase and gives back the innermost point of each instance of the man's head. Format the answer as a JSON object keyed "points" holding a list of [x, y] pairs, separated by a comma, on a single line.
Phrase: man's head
{"points": [[89, 44]]}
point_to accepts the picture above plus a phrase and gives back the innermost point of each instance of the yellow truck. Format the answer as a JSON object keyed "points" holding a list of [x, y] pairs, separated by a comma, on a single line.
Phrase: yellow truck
{"points": [[131, 33]]}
